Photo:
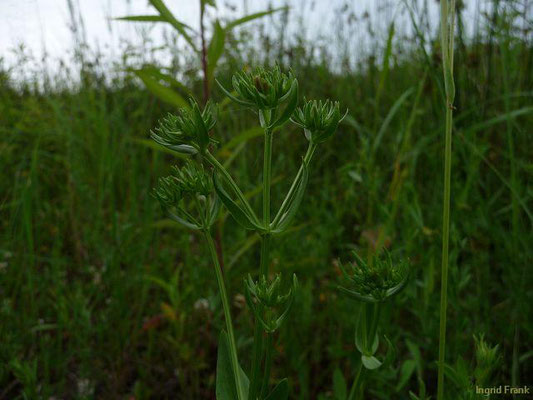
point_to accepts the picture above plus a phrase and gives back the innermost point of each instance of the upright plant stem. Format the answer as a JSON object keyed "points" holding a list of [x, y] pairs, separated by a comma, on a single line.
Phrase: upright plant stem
{"points": [[257, 353], [267, 177], [268, 364], [258, 350], [447, 36], [357, 379], [227, 316]]}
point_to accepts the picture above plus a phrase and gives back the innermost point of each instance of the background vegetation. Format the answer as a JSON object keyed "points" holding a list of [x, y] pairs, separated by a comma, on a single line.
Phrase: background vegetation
{"points": [[101, 297]]}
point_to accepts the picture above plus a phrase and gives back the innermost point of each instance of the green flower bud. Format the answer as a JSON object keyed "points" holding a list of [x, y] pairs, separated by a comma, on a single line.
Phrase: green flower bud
{"points": [[193, 179], [487, 359], [319, 119], [189, 186], [375, 282], [187, 132], [167, 192], [262, 89], [268, 294]]}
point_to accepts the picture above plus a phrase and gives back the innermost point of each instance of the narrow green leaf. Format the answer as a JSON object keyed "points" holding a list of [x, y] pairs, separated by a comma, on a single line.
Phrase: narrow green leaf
{"points": [[141, 18], [231, 96], [251, 17], [406, 371], [360, 331], [355, 295], [215, 49], [169, 17], [225, 379], [390, 355], [291, 206], [163, 92], [280, 392], [156, 146], [340, 390], [157, 74], [202, 133], [392, 112], [496, 120], [452, 374], [375, 344], [239, 214], [183, 221], [214, 210]]}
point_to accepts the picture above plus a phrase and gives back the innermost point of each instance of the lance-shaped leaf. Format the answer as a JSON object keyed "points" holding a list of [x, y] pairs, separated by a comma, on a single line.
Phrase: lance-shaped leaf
{"points": [[279, 321], [215, 49], [241, 215], [390, 355], [202, 133], [230, 96], [184, 222], [141, 18], [214, 210], [158, 74], [225, 377], [292, 202], [292, 102], [163, 92], [169, 17], [280, 392], [356, 295], [340, 390], [251, 17], [179, 148]]}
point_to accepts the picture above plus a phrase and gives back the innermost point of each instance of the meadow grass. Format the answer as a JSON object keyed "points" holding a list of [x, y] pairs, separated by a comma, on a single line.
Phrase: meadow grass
{"points": [[103, 297]]}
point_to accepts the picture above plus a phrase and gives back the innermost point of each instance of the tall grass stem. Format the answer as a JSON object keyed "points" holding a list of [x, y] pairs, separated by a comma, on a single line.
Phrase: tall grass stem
{"points": [[447, 44]]}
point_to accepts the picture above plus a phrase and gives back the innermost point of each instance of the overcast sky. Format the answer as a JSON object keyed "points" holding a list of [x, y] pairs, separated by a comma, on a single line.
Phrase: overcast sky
{"points": [[44, 24]]}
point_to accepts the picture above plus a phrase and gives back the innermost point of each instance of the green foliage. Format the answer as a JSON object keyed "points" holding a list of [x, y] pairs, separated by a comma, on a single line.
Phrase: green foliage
{"points": [[209, 56]]}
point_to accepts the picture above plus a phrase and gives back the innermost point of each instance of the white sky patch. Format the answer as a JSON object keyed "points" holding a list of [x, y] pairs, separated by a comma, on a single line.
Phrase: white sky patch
{"points": [[45, 25]]}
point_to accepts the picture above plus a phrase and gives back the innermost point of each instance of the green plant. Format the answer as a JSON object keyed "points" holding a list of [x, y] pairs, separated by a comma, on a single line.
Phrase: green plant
{"points": [[447, 33], [208, 51], [372, 284], [273, 96]]}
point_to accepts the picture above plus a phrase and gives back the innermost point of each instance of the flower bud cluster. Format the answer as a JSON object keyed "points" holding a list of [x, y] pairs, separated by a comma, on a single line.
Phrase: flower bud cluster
{"points": [[263, 89], [188, 131], [193, 182], [267, 296], [319, 119], [378, 281]]}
